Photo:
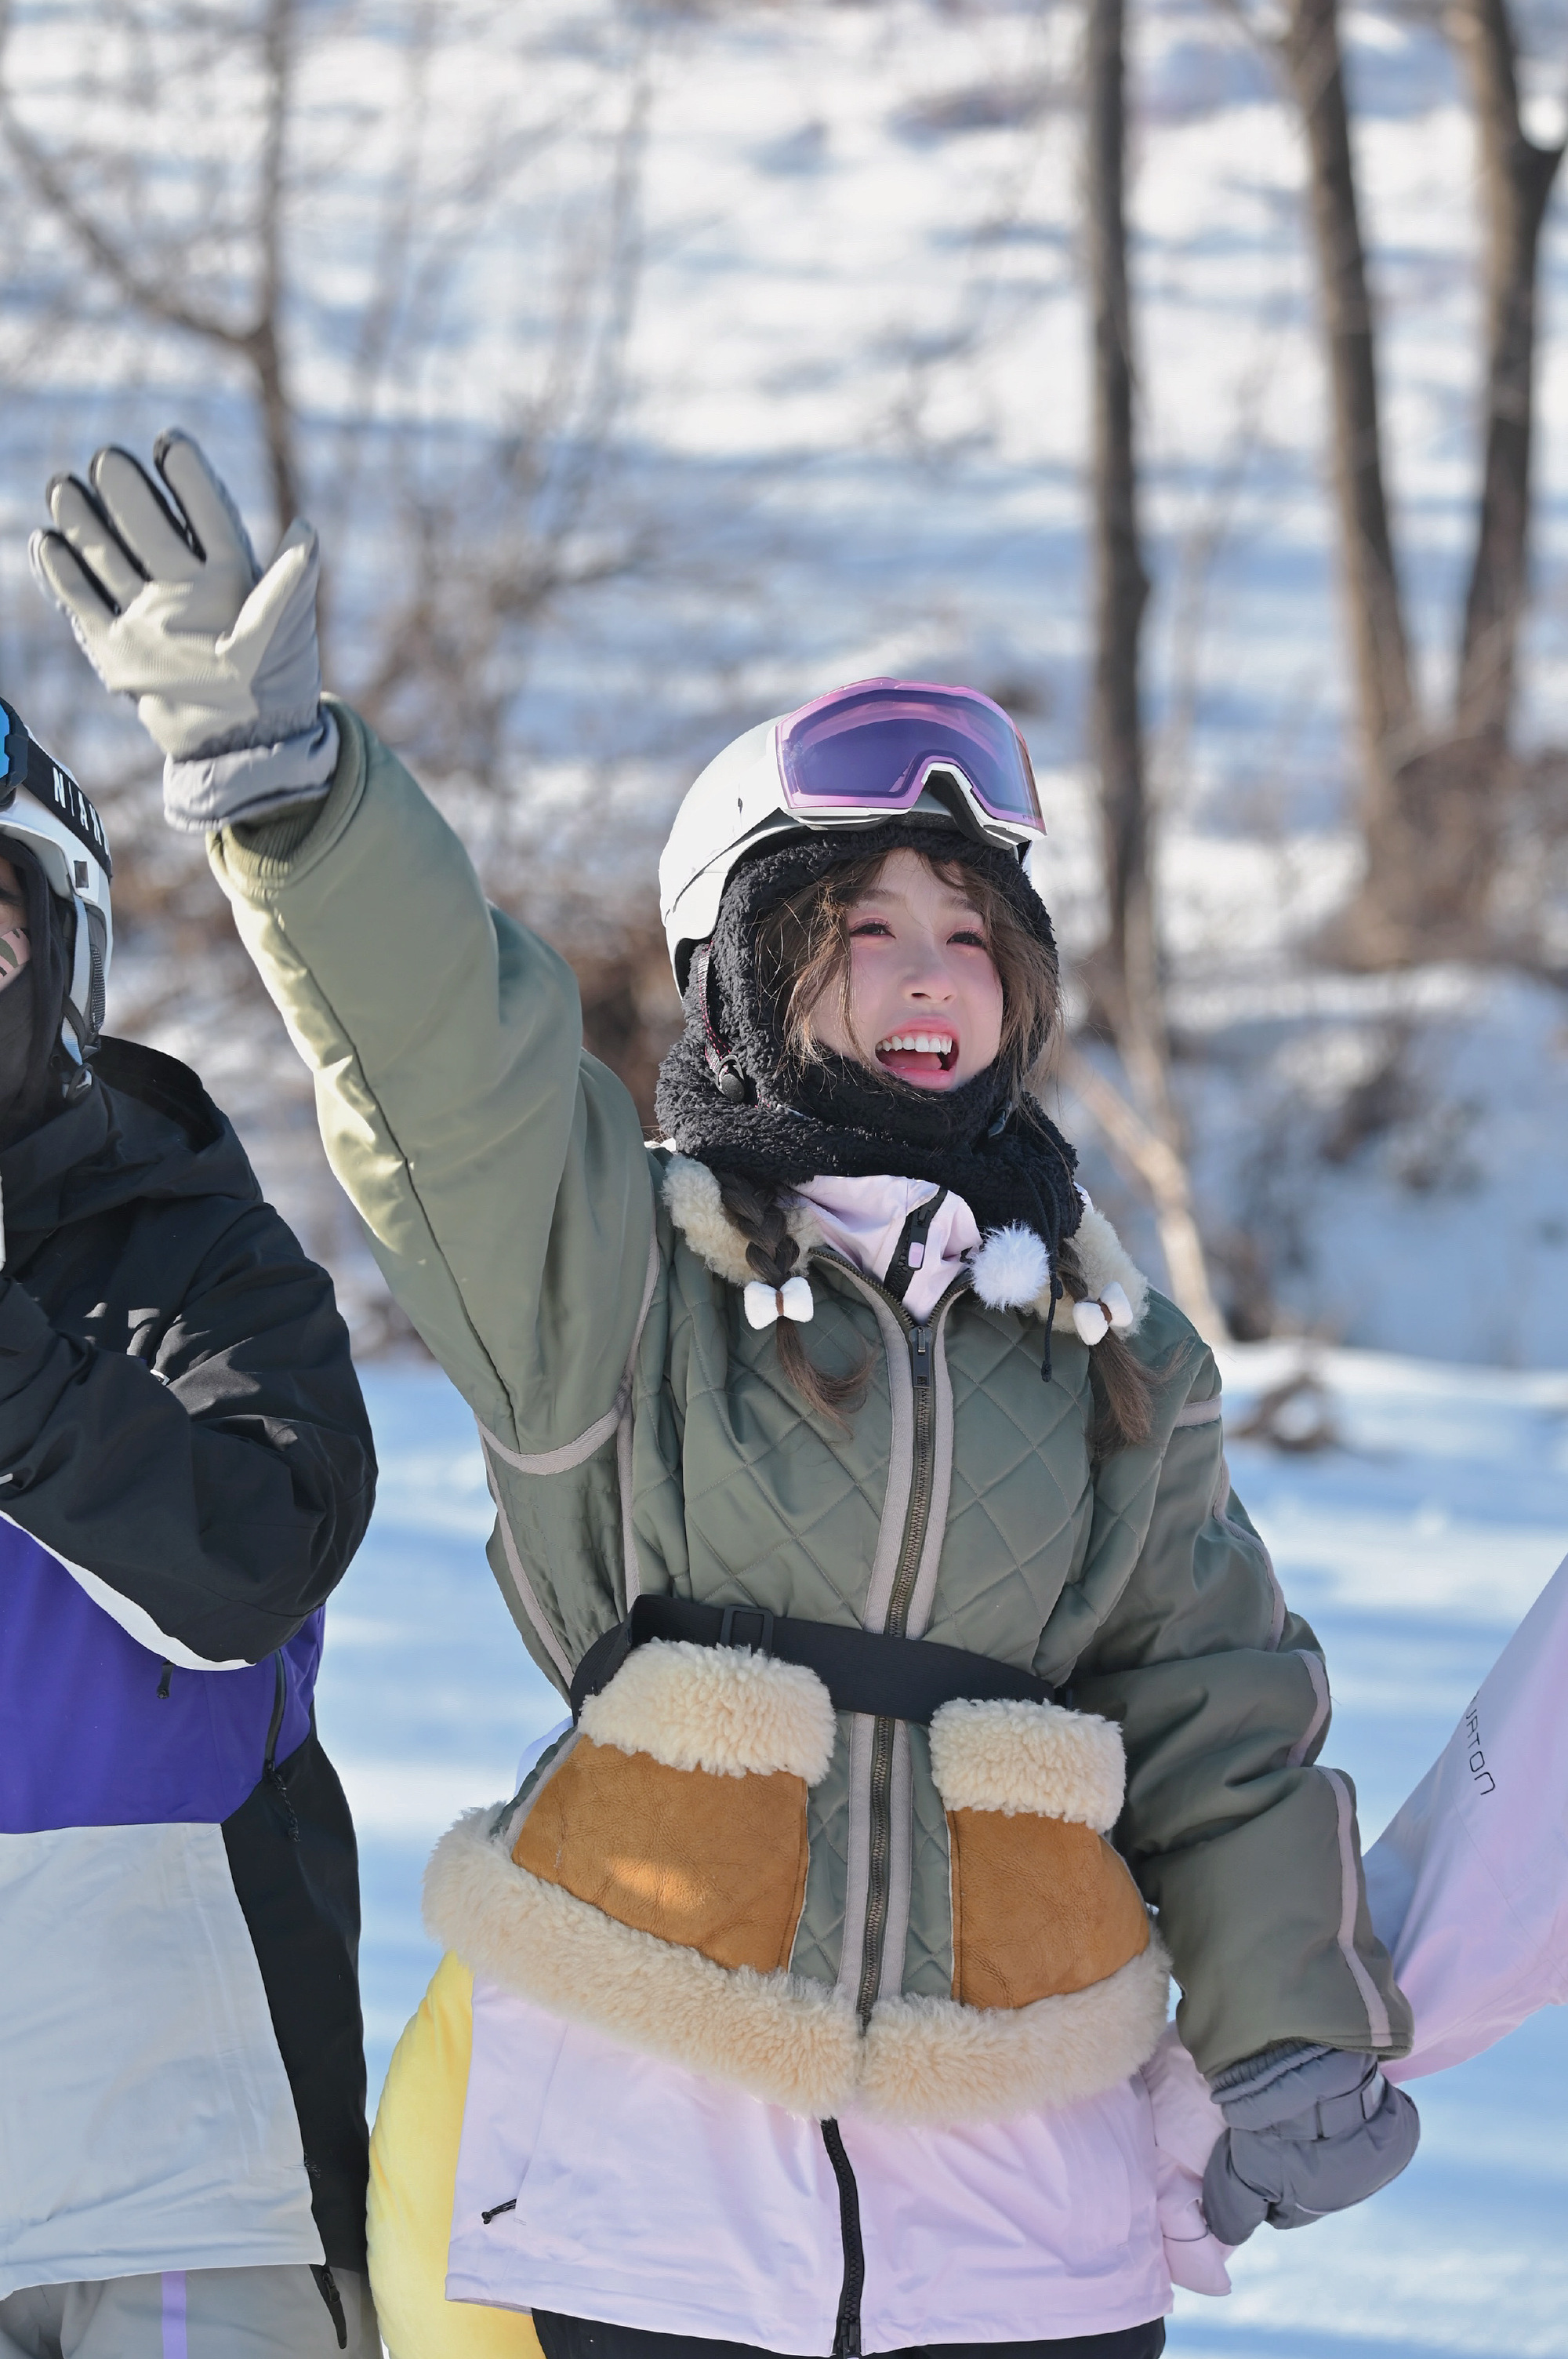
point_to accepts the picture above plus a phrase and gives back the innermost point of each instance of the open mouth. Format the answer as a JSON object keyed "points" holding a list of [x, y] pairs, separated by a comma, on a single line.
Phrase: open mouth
{"points": [[918, 1056]]}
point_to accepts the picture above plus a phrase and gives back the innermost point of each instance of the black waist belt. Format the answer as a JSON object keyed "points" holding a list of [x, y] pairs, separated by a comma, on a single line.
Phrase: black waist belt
{"points": [[862, 1670]]}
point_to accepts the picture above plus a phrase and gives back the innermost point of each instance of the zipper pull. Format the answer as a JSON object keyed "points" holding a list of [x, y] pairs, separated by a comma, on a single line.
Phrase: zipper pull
{"points": [[909, 1255], [920, 1354]]}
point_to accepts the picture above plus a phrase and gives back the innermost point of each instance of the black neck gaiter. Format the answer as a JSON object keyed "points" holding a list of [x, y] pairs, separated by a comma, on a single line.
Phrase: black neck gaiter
{"points": [[16, 1040], [1004, 1157], [31, 1007]]}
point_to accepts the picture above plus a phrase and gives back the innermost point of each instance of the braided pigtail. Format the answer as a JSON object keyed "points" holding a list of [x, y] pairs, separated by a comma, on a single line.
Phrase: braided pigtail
{"points": [[1122, 1387], [758, 1212]]}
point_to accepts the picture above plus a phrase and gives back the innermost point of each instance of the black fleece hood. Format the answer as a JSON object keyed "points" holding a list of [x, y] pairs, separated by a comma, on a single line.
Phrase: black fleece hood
{"points": [[143, 1128], [730, 1094]]}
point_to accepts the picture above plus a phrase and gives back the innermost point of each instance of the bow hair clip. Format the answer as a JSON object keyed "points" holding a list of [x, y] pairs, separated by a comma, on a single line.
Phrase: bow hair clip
{"points": [[766, 1305], [1095, 1317]]}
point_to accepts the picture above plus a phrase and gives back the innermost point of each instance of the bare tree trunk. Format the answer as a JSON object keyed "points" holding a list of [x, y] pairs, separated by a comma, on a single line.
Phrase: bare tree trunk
{"points": [[1379, 647], [1121, 585], [264, 344], [1516, 179], [1381, 652], [1146, 1140], [1433, 802], [1149, 1159]]}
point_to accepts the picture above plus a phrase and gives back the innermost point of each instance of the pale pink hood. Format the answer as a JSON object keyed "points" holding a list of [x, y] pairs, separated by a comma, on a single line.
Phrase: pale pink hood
{"points": [[863, 1220]]}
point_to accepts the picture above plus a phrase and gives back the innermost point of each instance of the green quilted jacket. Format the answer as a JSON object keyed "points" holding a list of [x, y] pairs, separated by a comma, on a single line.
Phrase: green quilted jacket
{"points": [[942, 1923]]}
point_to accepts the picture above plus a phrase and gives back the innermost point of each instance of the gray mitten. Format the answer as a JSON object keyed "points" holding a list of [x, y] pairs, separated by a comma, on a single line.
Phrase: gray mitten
{"points": [[170, 607], [1311, 2130]]}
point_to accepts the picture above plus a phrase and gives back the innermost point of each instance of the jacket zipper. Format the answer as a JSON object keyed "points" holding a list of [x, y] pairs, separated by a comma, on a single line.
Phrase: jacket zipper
{"points": [[920, 1334], [878, 1882], [270, 1770], [884, 1732], [914, 1238], [846, 2327]]}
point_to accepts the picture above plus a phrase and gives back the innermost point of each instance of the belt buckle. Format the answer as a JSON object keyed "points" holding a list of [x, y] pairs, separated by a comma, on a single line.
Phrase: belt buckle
{"points": [[764, 1645]]}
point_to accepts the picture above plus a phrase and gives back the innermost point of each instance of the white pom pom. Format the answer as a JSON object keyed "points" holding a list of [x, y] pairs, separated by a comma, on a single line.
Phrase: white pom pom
{"points": [[1011, 1269], [1116, 1308], [766, 1304], [1091, 1321]]}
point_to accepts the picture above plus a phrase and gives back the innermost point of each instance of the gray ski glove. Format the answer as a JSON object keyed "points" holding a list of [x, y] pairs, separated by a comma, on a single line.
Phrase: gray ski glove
{"points": [[170, 607], [1311, 2130]]}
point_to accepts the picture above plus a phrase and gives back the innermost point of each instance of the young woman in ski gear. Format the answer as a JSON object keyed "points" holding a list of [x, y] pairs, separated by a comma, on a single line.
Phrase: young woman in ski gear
{"points": [[931, 1693], [187, 1471]]}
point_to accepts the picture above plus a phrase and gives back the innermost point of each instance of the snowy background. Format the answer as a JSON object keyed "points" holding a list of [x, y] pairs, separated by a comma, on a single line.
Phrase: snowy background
{"points": [[650, 368]]}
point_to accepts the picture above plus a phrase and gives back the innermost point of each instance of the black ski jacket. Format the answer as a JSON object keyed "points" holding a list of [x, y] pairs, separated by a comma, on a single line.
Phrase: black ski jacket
{"points": [[186, 1470]]}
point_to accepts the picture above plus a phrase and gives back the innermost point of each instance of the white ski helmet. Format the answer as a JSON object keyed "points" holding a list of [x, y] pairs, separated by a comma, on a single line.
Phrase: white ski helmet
{"points": [[44, 810], [876, 750]]}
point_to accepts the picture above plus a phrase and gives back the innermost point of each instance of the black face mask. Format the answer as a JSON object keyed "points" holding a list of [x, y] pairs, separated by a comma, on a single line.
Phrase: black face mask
{"points": [[31, 1086], [16, 1041]]}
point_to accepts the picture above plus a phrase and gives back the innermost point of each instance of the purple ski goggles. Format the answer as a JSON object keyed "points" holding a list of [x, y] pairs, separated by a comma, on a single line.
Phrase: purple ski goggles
{"points": [[866, 752]]}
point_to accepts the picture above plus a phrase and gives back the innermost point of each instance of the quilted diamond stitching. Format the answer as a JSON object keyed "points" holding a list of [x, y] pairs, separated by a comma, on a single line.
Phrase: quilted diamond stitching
{"points": [[1026, 1529]]}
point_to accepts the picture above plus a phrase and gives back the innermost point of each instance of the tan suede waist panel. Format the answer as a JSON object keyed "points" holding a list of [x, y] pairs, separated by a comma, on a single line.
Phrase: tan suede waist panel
{"points": [[1040, 1906], [710, 1863]]}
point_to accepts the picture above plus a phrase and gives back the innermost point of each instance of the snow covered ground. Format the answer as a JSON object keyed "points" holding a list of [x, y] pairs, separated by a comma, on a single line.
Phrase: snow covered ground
{"points": [[852, 437], [1415, 1543]]}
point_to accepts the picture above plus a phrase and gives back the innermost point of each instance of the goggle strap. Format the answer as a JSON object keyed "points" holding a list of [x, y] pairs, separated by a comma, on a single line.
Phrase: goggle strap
{"points": [[1008, 834], [52, 785]]}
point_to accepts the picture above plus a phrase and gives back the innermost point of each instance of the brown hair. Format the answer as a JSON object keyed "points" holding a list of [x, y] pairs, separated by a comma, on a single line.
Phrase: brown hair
{"points": [[757, 1210], [802, 951], [803, 948], [1123, 1391]]}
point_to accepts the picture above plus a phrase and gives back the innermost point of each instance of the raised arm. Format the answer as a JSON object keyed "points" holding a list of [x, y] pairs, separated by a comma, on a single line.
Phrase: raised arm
{"points": [[501, 1172]]}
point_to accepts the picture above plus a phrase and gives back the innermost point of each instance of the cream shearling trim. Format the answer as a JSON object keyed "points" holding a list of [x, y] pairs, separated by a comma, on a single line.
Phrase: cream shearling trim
{"points": [[691, 1194], [783, 2039], [1105, 1260], [718, 1708], [1012, 1268], [932, 2060], [695, 1205], [1037, 1757]]}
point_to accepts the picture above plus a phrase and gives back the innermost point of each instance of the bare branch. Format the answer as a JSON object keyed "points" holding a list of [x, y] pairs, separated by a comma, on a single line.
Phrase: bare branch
{"points": [[47, 182], [1154, 1165]]}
